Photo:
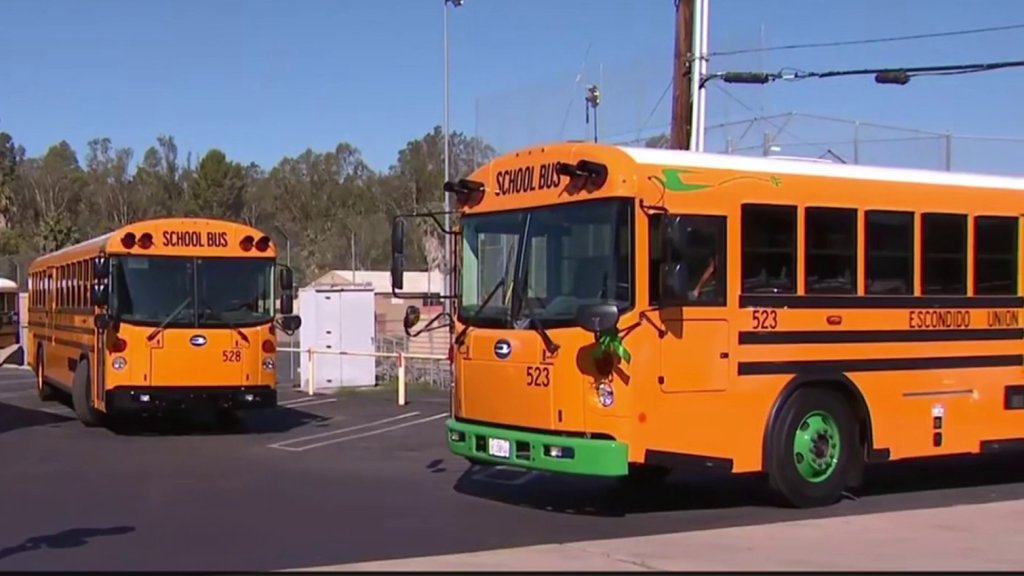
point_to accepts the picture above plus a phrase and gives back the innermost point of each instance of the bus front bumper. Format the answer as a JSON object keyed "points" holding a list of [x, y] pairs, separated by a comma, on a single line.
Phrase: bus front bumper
{"points": [[537, 451], [154, 398]]}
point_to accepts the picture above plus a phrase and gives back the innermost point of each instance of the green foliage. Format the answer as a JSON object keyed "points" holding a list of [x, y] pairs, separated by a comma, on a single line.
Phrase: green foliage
{"points": [[325, 202]]}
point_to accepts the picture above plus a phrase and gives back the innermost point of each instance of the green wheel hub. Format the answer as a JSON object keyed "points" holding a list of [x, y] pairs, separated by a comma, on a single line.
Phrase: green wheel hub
{"points": [[816, 446]]}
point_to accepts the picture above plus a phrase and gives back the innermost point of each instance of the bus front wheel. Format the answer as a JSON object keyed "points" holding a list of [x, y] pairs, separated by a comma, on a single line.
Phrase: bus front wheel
{"points": [[811, 449], [81, 396]]}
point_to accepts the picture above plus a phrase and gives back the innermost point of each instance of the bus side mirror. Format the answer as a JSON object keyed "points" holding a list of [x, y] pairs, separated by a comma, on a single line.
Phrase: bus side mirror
{"points": [[673, 280], [397, 254], [287, 304], [411, 319], [284, 279], [99, 295], [598, 318], [100, 268], [291, 323]]}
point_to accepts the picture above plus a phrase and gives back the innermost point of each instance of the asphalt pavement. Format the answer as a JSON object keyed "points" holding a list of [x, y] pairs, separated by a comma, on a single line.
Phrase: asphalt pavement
{"points": [[350, 478]]}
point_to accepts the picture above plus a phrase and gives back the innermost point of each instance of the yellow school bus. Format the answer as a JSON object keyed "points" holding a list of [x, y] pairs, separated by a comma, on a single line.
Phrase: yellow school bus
{"points": [[10, 329], [160, 315], [629, 311]]}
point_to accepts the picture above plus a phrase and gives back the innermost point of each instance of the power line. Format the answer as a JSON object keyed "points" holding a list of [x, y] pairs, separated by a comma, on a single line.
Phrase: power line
{"points": [[882, 75], [869, 40]]}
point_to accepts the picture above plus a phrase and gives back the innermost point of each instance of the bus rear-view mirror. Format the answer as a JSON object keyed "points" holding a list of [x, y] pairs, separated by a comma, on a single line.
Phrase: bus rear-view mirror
{"points": [[411, 319], [598, 318], [397, 253], [100, 268], [98, 295], [291, 323], [285, 279], [287, 303]]}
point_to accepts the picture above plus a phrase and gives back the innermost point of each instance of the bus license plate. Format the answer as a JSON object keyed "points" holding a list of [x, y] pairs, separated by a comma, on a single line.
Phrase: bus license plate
{"points": [[499, 448]]}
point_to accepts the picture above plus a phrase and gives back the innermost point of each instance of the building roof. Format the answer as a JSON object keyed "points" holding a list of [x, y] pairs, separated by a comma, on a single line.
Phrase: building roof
{"points": [[381, 280]]}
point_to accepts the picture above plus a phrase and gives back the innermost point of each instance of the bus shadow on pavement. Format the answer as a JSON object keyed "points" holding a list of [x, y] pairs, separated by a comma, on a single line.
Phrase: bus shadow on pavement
{"points": [[914, 484], [16, 417], [943, 473], [274, 421], [609, 497]]}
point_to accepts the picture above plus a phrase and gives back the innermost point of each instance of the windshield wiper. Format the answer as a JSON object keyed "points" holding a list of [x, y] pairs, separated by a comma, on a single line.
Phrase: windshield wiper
{"points": [[461, 336], [156, 331], [524, 300], [220, 316]]}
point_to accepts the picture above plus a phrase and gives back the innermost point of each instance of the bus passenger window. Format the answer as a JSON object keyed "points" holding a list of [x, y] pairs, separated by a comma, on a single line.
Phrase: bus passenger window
{"points": [[889, 252], [944, 254], [995, 255], [768, 241], [830, 245]]}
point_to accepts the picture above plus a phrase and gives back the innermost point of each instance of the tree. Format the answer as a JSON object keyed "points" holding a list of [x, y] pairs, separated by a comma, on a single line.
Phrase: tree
{"points": [[53, 186], [217, 187]]}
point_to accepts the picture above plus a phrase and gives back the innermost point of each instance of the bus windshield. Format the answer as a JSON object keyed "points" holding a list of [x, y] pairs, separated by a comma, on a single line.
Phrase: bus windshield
{"points": [[192, 292], [564, 255]]}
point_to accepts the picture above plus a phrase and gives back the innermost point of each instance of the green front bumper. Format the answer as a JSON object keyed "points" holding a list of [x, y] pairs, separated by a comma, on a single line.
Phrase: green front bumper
{"points": [[535, 451]]}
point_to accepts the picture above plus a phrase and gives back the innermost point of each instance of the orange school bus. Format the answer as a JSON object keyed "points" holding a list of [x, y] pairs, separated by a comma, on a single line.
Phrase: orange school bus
{"points": [[624, 311], [10, 325], [159, 315]]}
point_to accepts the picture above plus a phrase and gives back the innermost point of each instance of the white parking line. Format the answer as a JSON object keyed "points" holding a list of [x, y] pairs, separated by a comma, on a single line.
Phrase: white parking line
{"points": [[365, 434], [282, 443], [306, 402]]}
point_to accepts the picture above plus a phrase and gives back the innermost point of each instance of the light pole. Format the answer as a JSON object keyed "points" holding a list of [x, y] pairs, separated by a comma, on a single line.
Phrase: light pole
{"points": [[447, 168]]}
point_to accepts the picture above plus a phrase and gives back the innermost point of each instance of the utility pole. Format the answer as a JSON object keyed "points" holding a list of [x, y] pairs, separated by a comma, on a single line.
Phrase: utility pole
{"points": [[679, 134]]}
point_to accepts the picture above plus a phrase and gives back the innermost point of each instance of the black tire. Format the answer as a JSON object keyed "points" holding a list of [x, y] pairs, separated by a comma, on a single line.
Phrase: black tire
{"points": [[784, 477], [43, 390], [81, 392]]}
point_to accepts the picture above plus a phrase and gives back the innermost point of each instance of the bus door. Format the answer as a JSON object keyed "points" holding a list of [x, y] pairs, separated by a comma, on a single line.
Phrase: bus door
{"points": [[695, 351]]}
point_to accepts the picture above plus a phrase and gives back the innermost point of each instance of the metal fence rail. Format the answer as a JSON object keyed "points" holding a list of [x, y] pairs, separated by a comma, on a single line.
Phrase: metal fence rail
{"points": [[401, 360]]}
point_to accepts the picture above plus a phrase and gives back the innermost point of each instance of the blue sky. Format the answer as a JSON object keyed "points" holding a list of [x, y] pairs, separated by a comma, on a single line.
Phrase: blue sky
{"points": [[262, 79]]}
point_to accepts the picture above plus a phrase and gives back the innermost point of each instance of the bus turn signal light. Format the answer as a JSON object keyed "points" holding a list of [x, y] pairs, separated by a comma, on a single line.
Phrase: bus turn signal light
{"points": [[268, 347]]}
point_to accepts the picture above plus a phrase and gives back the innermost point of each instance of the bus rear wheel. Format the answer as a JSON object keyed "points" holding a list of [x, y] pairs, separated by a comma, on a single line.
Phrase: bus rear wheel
{"points": [[43, 389], [81, 396], [811, 449]]}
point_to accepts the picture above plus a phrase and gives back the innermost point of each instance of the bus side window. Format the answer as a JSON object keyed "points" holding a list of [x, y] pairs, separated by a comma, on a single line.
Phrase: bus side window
{"points": [[944, 254], [704, 259], [995, 255], [768, 242], [889, 252], [830, 248]]}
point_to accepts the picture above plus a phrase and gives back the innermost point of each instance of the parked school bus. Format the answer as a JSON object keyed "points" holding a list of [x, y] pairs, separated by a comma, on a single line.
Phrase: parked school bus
{"points": [[625, 311], [10, 326], [159, 315]]}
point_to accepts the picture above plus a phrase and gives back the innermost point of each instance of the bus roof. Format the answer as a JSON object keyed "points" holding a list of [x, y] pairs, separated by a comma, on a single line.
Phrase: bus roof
{"points": [[690, 159], [170, 236], [8, 285]]}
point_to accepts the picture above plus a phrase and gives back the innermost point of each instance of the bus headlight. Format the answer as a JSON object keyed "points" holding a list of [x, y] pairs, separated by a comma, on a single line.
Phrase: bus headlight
{"points": [[605, 394], [268, 363], [118, 363]]}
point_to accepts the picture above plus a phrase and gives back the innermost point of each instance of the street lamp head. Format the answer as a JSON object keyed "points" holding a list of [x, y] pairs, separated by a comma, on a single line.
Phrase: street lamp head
{"points": [[454, 3]]}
